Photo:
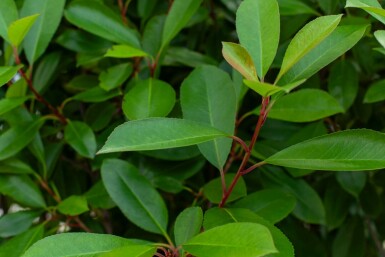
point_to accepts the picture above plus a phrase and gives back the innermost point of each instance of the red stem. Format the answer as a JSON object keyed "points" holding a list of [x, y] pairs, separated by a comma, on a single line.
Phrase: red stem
{"points": [[123, 11]]}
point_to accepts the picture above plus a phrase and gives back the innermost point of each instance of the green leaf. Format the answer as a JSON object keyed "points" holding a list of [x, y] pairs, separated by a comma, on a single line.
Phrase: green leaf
{"points": [[152, 34], [350, 150], [232, 240], [376, 92], [22, 189], [295, 7], [76, 244], [350, 240], [187, 225], [18, 137], [352, 182], [329, 6], [8, 104], [271, 204], [148, 98], [96, 95], [98, 197], [380, 36], [202, 95], [342, 39], [73, 205], [135, 196], [161, 133], [115, 76], [343, 83], [42, 31], [238, 57], [220, 216], [124, 51], [18, 29], [258, 28], [98, 116], [132, 251], [213, 189], [311, 35], [304, 106], [15, 166], [177, 56], [178, 17], [7, 73], [264, 89], [16, 246], [146, 7], [81, 138], [373, 7], [98, 19], [13, 224], [337, 203], [47, 71], [8, 14]]}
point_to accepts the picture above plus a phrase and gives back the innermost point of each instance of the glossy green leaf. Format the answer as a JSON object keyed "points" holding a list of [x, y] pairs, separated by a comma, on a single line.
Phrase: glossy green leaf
{"points": [[176, 56], [96, 95], [18, 137], [7, 73], [8, 14], [47, 71], [380, 36], [73, 205], [213, 189], [271, 204], [304, 106], [98, 197], [350, 150], [264, 89], [311, 35], [15, 166], [161, 133], [135, 196], [98, 19], [343, 83], [22, 189], [115, 76], [376, 92], [352, 182], [8, 104], [132, 251], [178, 17], [16, 246], [18, 29], [98, 116], [220, 216], [152, 34], [188, 224], [238, 57], [82, 42], [13, 224], [295, 7], [342, 39], [202, 95], [258, 30], [76, 244], [232, 240], [373, 7], [124, 51], [81, 138], [148, 98], [350, 240], [42, 31]]}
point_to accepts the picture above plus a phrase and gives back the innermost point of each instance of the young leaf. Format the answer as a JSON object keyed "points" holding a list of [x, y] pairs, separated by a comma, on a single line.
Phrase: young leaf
{"points": [[202, 95], [124, 51], [342, 39], [76, 244], [135, 196], [178, 17], [13, 224], [81, 138], [264, 89], [311, 35], [7, 73], [18, 137], [132, 251], [373, 7], [115, 76], [8, 104], [18, 29], [8, 14], [42, 31], [161, 133], [188, 224], [98, 19], [304, 106], [350, 150], [232, 240], [73, 205], [148, 98], [213, 189], [258, 30], [270, 204], [22, 189], [238, 57], [376, 92]]}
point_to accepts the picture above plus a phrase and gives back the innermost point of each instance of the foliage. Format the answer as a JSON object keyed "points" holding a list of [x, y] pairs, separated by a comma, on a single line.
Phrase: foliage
{"points": [[192, 128]]}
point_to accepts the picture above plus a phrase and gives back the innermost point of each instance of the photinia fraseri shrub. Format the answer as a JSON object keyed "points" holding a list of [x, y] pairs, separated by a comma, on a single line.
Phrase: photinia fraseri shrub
{"points": [[192, 128]]}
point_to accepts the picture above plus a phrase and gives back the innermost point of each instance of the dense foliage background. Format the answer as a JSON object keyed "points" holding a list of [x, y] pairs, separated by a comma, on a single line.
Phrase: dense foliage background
{"points": [[87, 66]]}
